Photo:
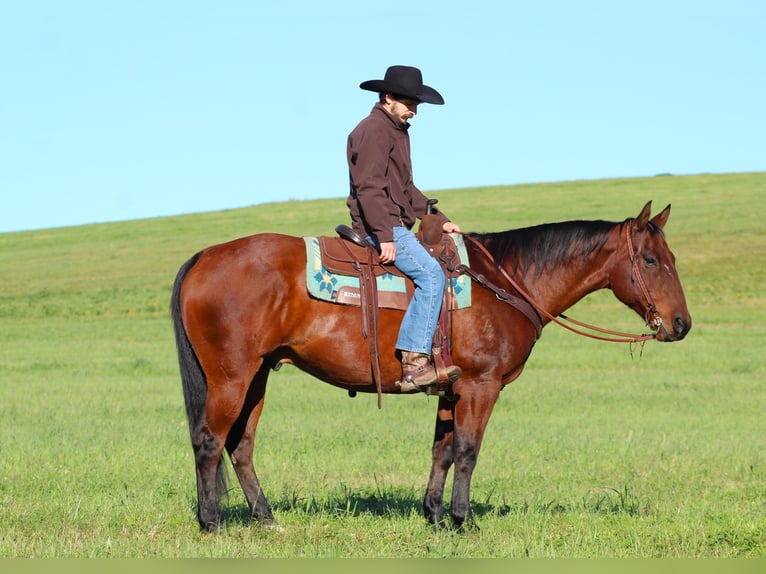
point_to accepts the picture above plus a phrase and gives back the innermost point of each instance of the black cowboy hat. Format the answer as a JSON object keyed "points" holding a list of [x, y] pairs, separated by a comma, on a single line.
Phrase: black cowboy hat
{"points": [[404, 81]]}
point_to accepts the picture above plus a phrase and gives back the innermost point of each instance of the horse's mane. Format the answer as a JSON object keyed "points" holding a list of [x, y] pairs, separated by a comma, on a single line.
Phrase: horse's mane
{"points": [[547, 245]]}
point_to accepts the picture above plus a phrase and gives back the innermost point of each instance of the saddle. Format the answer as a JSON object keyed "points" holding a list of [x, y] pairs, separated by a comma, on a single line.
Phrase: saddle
{"points": [[350, 254]]}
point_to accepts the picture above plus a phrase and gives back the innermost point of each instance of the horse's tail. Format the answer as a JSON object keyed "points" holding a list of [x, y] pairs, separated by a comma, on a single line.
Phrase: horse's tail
{"points": [[193, 378]]}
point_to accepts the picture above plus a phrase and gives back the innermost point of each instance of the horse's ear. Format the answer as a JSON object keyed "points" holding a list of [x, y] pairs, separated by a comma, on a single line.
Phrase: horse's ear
{"points": [[661, 218], [643, 217]]}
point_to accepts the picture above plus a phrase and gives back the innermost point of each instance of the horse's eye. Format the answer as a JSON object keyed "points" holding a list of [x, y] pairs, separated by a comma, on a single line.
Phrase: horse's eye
{"points": [[649, 259]]}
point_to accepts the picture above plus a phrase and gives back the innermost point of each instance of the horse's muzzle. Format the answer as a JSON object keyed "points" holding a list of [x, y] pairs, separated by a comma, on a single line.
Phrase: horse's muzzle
{"points": [[680, 327]]}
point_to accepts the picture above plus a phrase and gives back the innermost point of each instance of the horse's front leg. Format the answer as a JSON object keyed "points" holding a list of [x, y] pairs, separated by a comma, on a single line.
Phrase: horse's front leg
{"points": [[440, 463], [472, 412]]}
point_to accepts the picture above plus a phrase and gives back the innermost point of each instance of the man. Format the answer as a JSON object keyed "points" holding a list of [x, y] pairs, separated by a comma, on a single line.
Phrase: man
{"points": [[385, 203]]}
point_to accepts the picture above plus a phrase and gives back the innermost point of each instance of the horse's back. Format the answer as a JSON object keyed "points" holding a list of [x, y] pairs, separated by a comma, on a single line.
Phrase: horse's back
{"points": [[249, 260], [261, 248]]}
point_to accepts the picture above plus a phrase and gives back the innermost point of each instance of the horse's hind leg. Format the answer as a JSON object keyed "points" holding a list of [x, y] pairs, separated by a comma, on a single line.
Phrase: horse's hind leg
{"points": [[208, 447], [442, 458], [239, 445], [224, 401]]}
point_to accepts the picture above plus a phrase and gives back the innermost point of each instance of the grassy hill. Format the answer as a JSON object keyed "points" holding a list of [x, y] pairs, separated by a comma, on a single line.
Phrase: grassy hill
{"points": [[590, 453]]}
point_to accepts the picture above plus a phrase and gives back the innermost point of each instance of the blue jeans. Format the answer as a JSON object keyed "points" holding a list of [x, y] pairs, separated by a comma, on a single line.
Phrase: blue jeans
{"points": [[417, 330]]}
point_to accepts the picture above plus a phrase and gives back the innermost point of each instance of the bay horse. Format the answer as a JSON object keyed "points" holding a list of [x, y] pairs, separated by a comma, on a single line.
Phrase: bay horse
{"points": [[241, 309]]}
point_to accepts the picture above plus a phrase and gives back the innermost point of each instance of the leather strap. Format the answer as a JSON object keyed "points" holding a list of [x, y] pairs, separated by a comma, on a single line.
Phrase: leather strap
{"points": [[368, 290]]}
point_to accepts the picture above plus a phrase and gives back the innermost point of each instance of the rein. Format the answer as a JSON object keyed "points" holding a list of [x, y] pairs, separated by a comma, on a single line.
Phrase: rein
{"points": [[616, 336]]}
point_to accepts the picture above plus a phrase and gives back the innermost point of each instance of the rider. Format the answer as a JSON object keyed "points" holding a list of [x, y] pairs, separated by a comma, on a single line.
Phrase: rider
{"points": [[385, 203]]}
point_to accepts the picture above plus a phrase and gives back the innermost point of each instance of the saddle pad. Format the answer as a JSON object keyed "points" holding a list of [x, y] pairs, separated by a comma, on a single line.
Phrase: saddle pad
{"points": [[325, 285]]}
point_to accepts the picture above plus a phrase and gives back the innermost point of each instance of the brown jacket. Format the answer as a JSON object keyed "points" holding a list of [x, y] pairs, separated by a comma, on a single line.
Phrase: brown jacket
{"points": [[383, 194]]}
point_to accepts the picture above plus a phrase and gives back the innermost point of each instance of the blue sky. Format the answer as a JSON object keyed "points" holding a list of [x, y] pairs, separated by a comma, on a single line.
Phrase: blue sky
{"points": [[132, 109]]}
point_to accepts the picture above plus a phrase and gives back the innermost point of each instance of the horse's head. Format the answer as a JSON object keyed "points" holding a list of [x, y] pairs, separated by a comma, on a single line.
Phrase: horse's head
{"points": [[646, 280]]}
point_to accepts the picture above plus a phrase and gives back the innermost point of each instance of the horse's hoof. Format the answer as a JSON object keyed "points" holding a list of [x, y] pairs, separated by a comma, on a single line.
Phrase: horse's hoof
{"points": [[271, 524], [465, 526], [210, 527]]}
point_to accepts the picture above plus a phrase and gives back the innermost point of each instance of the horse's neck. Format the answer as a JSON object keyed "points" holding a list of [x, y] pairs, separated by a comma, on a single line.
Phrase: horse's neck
{"points": [[558, 287]]}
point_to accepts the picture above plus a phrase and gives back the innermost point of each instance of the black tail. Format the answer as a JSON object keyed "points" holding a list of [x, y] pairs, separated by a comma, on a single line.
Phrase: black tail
{"points": [[192, 376]]}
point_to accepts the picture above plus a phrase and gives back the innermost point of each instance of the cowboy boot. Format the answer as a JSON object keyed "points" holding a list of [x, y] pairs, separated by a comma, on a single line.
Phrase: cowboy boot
{"points": [[418, 373]]}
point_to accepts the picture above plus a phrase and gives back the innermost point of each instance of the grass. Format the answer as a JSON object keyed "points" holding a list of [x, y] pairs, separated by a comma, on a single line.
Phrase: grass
{"points": [[591, 453]]}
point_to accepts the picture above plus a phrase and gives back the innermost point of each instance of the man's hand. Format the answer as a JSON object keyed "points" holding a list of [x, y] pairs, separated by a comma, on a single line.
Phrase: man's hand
{"points": [[450, 227], [387, 252]]}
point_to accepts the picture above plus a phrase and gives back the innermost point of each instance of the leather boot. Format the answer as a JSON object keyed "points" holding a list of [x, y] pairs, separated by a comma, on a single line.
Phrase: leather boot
{"points": [[418, 371]]}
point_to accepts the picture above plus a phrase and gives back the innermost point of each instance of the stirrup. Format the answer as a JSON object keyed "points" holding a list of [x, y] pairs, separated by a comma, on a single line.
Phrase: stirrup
{"points": [[440, 389]]}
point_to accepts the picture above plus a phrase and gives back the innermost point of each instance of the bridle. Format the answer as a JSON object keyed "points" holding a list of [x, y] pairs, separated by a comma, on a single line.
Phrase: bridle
{"points": [[653, 319]]}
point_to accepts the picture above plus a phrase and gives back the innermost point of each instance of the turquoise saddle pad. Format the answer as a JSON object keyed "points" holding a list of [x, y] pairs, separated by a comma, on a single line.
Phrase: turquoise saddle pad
{"points": [[324, 285]]}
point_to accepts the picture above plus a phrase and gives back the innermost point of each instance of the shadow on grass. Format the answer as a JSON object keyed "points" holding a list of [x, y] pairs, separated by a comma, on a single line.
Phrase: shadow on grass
{"points": [[397, 502], [389, 501]]}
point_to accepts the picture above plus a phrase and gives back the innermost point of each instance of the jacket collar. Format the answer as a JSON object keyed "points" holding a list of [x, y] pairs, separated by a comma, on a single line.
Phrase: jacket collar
{"points": [[398, 124]]}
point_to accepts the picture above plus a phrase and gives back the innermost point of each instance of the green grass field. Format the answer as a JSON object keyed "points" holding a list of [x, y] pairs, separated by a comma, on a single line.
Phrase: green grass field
{"points": [[593, 452]]}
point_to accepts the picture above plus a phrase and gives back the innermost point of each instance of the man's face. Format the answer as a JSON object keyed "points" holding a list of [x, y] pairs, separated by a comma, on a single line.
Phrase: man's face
{"points": [[403, 108]]}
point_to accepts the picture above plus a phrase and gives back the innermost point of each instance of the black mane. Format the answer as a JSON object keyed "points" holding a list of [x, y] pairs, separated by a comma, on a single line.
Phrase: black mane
{"points": [[546, 245]]}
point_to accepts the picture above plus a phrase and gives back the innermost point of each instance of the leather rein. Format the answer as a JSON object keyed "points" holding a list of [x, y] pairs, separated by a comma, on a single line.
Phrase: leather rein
{"points": [[652, 318]]}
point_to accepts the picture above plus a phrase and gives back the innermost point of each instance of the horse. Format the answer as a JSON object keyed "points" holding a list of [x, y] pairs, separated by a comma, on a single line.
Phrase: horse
{"points": [[241, 308]]}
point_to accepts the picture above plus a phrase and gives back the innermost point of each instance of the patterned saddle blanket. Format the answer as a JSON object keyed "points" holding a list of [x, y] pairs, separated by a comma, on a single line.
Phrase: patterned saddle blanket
{"points": [[394, 291]]}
